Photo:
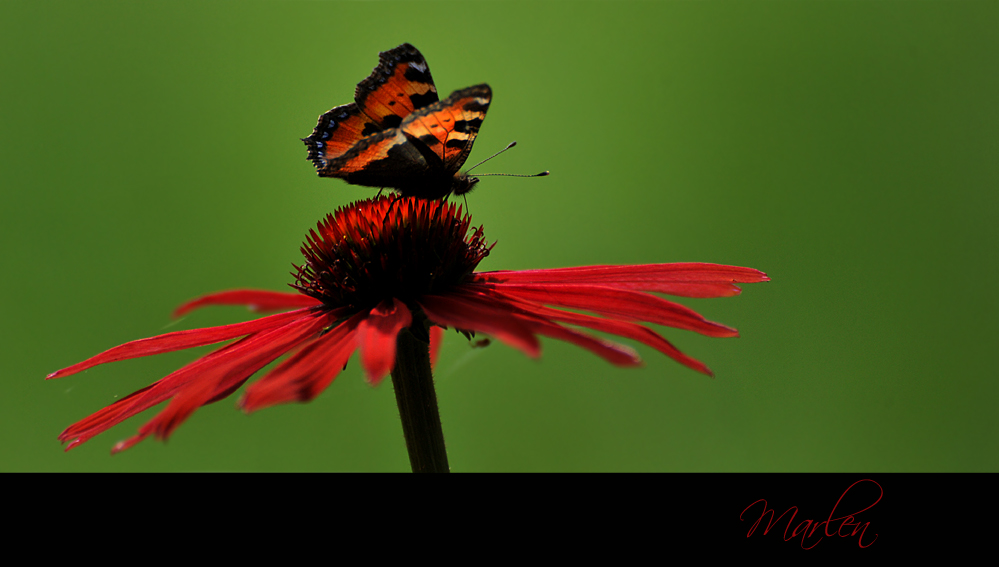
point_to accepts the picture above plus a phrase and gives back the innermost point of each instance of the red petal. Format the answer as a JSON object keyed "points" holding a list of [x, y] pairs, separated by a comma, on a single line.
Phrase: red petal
{"points": [[256, 300], [698, 290], [198, 383], [436, 339], [616, 303], [99, 421], [683, 279], [139, 401], [675, 272], [180, 340], [119, 446], [231, 372], [618, 355], [478, 313], [376, 338], [131, 405], [620, 328], [306, 374]]}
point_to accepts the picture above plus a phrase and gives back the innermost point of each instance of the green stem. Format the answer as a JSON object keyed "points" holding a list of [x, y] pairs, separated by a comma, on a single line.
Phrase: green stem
{"points": [[417, 401]]}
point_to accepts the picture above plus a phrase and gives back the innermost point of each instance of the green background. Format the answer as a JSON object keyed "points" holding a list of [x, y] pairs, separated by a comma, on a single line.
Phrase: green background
{"points": [[150, 154]]}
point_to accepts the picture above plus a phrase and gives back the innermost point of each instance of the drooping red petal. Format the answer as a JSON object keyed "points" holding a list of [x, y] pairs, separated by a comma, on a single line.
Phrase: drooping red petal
{"points": [[119, 446], [141, 400], [200, 382], [690, 289], [180, 340], [376, 337], [476, 313], [673, 272], [692, 279], [133, 404], [255, 299], [98, 421], [232, 371], [624, 329], [436, 339], [308, 372], [616, 303], [220, 391], [618, 355], [145, 398]]}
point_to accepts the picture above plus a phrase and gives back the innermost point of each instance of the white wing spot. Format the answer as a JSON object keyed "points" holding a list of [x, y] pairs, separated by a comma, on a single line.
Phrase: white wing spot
{"points": [[421, 67]]}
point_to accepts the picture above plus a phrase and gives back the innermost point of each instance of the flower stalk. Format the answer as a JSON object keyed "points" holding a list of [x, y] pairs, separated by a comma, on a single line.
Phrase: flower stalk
{"points": [[413, 381]]}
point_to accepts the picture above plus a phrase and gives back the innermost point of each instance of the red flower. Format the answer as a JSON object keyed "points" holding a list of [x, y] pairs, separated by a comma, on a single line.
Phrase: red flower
{"points": [[377, 267]]}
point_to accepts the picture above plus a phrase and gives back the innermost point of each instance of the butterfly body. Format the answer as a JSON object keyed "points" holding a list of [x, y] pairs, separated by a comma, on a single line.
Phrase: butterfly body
{"points": [[397, 134]]}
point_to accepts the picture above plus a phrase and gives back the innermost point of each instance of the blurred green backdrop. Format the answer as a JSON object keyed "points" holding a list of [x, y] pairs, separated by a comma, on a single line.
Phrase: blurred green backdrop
{"points": [[151, 153]]}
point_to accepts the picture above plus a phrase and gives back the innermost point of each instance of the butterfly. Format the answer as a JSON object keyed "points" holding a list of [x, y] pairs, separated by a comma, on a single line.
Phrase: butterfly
{"points": [[398, 134]]}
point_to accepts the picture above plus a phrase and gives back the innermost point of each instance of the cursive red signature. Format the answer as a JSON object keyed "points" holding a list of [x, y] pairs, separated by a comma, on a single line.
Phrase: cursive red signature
{"points": [[807, 528]]}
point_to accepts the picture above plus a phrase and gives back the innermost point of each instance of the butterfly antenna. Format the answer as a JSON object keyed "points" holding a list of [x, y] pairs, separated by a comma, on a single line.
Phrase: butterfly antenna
{"points": [[510, 145], [542, 174]]}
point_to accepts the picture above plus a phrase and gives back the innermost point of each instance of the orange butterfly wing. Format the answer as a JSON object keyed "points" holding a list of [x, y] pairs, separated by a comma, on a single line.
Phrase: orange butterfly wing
{"points": [[422, 155], [449, 128], [399, 84], [337, 131]]}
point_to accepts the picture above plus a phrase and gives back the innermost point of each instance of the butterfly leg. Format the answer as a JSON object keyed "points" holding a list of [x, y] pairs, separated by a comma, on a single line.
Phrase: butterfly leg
{"points": [[395, 199]]}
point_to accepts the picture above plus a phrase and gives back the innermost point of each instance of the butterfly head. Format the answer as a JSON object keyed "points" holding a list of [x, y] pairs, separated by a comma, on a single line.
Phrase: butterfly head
{"points": [[463, 183]]}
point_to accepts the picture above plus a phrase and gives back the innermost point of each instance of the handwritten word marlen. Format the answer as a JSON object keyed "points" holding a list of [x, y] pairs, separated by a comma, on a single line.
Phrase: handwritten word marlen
{"points": [[807, 528]]}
